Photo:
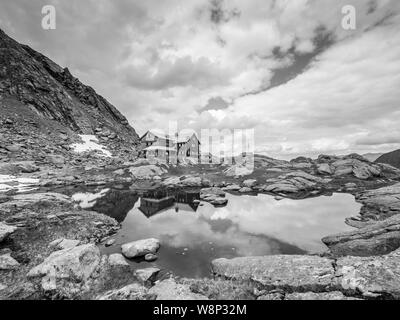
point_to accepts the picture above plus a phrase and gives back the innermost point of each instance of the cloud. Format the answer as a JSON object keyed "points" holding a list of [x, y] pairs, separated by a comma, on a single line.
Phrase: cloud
{"points": [[285, 68], [380, 138], [215, 103], [180, 73]]}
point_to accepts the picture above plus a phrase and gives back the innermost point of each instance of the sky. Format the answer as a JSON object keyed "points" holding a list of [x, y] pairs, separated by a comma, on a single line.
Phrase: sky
{"points": [[285, 68]]}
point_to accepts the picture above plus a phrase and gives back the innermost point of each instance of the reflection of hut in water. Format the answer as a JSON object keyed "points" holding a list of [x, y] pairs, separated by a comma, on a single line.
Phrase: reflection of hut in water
{"points": [[155, 201], [150, 206]]}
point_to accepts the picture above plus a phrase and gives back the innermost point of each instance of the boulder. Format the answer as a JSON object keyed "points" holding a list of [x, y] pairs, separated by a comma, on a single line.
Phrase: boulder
{"points": [[381, 237], [117, 260], [6, 230], [293, 182], [171, 290], [140, 248], [148, 274], [150, 257], [383, 202], [324, 169], [109, 242], [293, 273], [146, 172], [186, 181], [245, 190], [8, 263], [376, 277], [231, 187], [68, 271], [360, 169], [250, 183], [133, 291]]}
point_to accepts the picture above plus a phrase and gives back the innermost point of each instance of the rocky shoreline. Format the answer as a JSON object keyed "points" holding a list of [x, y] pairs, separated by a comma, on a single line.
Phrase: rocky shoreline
{"points": [[48, 246]]}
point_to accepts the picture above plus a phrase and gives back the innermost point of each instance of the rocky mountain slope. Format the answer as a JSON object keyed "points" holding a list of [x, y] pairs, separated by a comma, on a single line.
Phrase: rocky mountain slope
{"points": [[392, 158], [38, 98]]}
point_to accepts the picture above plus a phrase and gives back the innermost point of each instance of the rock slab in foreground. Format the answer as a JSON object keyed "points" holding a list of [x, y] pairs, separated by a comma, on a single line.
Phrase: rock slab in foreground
{"points": [[293, 273], [370, 276], [140, 248]]}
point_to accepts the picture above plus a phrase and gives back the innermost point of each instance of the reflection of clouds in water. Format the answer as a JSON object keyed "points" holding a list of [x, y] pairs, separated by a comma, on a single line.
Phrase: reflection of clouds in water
{"points": [[88, 200], [189, 230], [302, 222], [252, 225]]}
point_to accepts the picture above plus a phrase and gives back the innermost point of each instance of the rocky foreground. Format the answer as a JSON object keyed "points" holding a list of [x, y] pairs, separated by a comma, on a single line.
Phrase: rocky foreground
{"points": [[48, 246]]}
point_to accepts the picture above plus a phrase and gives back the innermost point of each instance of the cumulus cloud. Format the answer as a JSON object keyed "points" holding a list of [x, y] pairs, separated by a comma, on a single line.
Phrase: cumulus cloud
{"points": [[285, 68]]}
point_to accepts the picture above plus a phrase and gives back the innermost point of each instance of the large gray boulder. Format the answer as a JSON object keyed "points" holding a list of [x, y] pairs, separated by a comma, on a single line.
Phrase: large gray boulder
{"points": [[146, 172], [324, 169], [68, 271], [140, 248], [6, 230], [293, 273], [186, 181], [117, 260], [360, 169], [371, 276], [377, 238], [250, 183], [294, 182], [383, 202]]}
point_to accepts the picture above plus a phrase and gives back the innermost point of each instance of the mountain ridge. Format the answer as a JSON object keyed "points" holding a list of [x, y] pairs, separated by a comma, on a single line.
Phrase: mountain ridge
{"points": [[34, 87], [391, 158]]}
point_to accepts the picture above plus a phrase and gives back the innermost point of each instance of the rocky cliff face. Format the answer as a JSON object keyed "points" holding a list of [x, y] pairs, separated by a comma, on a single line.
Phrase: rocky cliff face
{"points": [[35, 89]]}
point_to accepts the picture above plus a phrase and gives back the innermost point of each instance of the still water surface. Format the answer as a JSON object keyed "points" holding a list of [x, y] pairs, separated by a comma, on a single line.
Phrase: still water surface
{"points": [[192, 235]]}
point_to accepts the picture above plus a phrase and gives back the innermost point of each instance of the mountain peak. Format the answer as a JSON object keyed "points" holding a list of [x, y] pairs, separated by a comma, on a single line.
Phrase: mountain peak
{"points": [[50, 92]]}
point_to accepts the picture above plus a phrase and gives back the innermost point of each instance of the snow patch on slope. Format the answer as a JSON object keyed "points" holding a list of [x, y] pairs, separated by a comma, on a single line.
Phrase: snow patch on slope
{"points": [[90, 143]]}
